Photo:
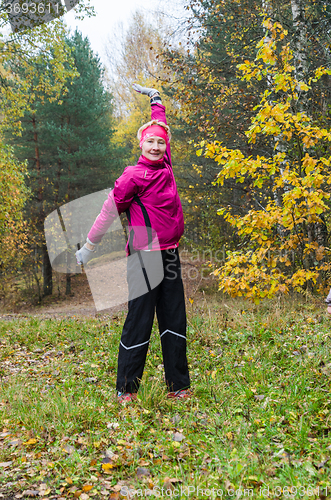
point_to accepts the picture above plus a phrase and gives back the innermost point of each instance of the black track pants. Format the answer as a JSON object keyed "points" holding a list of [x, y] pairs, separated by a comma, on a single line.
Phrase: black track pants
{"points": [[168, 301]]}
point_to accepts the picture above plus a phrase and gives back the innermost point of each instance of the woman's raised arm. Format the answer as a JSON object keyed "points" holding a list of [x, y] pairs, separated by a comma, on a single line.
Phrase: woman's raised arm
{"points": [[158, 111]]}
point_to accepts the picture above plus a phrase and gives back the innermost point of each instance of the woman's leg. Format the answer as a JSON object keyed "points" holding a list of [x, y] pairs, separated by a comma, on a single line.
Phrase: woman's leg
{"points": [[136, 330], [171, 315]]}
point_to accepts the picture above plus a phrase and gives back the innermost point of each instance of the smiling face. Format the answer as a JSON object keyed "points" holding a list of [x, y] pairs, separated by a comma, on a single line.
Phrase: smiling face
{"points": [[154, 148]]}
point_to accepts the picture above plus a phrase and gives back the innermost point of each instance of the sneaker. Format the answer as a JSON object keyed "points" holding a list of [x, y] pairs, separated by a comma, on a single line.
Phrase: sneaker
{"points": [[123, 397], [181, 394]]}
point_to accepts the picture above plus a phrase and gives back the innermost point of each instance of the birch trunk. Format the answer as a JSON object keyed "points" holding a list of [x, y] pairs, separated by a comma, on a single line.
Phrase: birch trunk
{"points": [[318, 231]]}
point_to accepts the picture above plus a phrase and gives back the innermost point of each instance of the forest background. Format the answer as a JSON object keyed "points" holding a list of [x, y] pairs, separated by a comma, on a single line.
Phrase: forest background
{"points": [[247, 89]]}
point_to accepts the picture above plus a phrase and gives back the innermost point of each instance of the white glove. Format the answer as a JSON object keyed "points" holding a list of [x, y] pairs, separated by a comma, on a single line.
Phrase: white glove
{"points": [[145, 90], [84, 254]]}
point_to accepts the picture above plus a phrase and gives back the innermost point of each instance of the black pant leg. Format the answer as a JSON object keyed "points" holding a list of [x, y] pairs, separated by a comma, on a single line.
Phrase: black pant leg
{"points": [[171, 315], [136, 330], [134, 342]]}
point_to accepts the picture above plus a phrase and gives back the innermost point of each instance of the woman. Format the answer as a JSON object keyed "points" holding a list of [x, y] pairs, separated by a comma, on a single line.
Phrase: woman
{"points": [[148, 194]]}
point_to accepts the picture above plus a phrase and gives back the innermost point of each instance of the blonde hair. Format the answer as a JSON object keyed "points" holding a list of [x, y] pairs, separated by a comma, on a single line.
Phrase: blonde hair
{"points": [[154, 122]]}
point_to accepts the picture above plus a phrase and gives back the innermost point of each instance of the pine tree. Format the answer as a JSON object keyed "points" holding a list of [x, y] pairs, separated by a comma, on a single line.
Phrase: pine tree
{"points": [[68, 144]]}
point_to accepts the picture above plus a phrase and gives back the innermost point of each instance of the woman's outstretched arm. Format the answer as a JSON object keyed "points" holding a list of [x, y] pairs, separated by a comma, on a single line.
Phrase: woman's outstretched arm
{"points": [[158, 111]]}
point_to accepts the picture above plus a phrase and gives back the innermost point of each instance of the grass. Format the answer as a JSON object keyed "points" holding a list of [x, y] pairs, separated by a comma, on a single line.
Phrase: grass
{"points": [[257, 425]]}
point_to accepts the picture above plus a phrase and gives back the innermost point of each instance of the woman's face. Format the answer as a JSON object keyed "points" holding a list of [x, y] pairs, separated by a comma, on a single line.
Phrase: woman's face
{"points": [[154, 148]]}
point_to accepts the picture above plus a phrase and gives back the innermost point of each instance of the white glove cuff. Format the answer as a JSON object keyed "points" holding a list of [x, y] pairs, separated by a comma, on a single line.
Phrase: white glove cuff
{"points": [[93, 244]]}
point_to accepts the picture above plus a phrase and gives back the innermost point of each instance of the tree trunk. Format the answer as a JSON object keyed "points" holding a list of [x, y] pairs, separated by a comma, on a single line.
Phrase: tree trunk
{"points": [[68, 275], [68, 284], [300, 40], [318, 230], [46, 266], [47, 273]]}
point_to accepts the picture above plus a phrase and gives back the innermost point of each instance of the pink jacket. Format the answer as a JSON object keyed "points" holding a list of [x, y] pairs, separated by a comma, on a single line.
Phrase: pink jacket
{"points": [[147, 192]]}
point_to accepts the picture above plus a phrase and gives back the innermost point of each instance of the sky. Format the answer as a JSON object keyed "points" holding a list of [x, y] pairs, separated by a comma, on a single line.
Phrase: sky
{"points": [[109, 13]]}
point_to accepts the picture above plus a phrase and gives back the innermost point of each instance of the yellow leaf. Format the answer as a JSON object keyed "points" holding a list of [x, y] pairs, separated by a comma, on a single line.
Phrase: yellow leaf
{"points": [[213, 374], [121, 441], [107, 467], [31, 441], [69, 480], [87, 487]]}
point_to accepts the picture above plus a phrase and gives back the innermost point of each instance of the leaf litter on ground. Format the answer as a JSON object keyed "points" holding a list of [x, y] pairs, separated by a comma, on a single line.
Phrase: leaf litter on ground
{"points": [[264, 422]]}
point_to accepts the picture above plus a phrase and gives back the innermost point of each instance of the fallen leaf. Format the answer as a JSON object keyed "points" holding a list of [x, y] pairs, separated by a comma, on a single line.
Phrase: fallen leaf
{"points": [[169, 482], [178, 436], [321, 464], [118, 487], [121, 441], [5, 464], [109, 453], [259, 397], [68, 449], [69, 480], [143, 462], [31, 441], [45, 492], [4, 434], [326, 369], [87, 487], [113, 425], [81, 440], [141, 471], [107, 467], [31, 493], [84, 496], [176, 419]]}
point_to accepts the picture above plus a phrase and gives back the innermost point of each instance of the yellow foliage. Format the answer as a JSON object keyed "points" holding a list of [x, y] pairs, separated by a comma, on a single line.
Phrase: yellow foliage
{"points": [[281, 251]]}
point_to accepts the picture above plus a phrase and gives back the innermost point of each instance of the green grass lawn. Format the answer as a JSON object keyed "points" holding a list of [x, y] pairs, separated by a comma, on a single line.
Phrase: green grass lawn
{"points": [[256, 426]]}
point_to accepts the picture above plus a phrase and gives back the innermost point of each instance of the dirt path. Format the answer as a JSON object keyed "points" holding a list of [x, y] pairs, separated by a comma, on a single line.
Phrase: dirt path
{"points": [[80, 303]]}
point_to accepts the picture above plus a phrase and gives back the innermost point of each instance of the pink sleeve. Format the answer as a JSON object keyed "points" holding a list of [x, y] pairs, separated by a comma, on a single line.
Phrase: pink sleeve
{"points": [[158, 112], [119, 199]]}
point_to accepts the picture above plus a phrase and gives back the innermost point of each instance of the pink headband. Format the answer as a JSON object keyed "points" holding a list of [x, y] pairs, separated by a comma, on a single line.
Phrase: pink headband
{"points": [[151, 131]]}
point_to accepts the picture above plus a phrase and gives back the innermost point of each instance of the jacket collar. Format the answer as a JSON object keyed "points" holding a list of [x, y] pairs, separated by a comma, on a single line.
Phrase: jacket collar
{"points": [[144, 161]]}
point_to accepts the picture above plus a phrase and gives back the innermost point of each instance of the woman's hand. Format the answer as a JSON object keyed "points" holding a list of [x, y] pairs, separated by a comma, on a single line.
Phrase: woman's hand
{"points": [[145, 90], [84, 254]]}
